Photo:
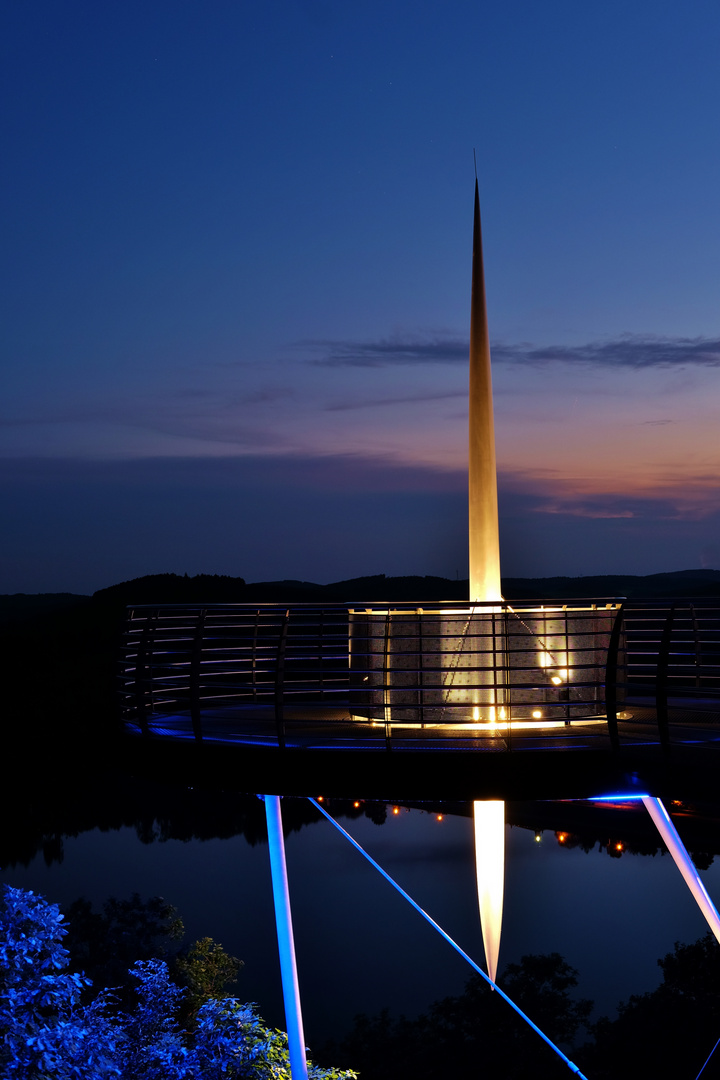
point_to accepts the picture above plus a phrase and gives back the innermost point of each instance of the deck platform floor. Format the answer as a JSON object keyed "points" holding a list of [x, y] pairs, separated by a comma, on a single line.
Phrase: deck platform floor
{"points": [[695, 723]]}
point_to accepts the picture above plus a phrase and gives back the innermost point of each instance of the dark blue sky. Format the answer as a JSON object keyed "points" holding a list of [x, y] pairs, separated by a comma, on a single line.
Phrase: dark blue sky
{"points": [[235, 295]]}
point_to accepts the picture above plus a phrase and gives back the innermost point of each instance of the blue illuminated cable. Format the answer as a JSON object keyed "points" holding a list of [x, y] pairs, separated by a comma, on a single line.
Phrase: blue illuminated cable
{"points": [[570, 1064], [707, 1059]]}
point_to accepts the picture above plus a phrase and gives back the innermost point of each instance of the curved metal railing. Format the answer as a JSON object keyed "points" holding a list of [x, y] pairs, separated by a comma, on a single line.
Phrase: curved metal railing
{"points": [[415, 676]]}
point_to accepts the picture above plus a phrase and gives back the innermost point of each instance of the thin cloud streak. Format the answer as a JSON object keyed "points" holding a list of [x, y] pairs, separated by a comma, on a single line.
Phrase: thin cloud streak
{"points": [[629, 350], [407, 399], [635, 351], [231, 419], [323, 473], [418, 349], [688, 497]]}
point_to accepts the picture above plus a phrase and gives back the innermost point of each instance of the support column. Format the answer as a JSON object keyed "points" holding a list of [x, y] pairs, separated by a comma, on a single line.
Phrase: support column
{"points": [[683, 861], [286, 943]]}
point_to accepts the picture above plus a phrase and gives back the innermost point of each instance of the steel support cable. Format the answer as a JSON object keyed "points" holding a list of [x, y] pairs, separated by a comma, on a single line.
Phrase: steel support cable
{"points": [[456, 660], [533, 633], [556, 1049], [459, 649], [708, 1059]]}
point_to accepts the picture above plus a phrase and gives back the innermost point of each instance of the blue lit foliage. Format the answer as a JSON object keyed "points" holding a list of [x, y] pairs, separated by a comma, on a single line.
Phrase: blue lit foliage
{"points": [[231, 1041], [48, 1034], [151, 1046]]}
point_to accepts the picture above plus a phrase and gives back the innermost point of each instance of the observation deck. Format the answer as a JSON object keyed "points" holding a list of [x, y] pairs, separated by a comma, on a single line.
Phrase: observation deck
{"points": [[626, 683]]}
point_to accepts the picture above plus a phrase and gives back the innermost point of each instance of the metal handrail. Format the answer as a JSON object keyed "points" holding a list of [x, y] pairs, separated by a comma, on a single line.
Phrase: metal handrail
{"points": [[576, 662]]}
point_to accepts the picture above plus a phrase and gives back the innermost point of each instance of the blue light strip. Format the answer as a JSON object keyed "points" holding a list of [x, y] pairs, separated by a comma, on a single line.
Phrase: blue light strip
{"points": [[570, 1064], [617, 798]]}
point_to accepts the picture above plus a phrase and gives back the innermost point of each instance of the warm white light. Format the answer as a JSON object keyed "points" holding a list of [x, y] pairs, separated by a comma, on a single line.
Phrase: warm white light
{"points": [[489, 817], [537, 715], [517, 725], [556, 680], [476, 712]]}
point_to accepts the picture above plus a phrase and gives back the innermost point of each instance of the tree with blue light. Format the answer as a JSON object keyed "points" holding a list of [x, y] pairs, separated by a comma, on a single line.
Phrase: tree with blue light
{"points": [[47, 1032]]}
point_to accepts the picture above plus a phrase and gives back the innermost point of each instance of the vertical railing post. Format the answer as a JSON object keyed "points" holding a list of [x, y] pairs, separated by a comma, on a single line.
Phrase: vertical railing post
{"points": [[386, 684], [566, 689], [143, 674], [321, 657], [420, 667], [611, 679], [195, 662], [286, 941], [508, 679], [661, 681], [501, 694], [698, 650], [280, 681], [254, 655]]}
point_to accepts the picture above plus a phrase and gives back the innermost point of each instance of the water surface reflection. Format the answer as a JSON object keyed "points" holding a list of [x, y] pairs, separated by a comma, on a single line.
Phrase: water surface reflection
{"points": [[360, 947]]}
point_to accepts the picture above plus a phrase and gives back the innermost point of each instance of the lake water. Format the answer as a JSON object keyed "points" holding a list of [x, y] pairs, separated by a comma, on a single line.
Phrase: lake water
{"points": [[359, 945]]}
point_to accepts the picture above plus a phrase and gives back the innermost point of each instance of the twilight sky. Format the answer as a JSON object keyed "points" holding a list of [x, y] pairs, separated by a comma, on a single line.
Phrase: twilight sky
{"points": [[236, 280]]}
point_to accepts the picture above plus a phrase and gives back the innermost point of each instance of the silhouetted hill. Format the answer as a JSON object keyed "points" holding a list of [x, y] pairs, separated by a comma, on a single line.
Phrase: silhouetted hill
{"points": [[677, 583], [218, 588], [21, 607], [24, 608], [174, 589], [378, 587]]}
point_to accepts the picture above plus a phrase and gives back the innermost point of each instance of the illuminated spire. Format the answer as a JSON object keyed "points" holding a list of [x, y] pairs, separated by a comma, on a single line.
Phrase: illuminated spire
{"points": [[482, 473], [484, 538], [489, 820]]}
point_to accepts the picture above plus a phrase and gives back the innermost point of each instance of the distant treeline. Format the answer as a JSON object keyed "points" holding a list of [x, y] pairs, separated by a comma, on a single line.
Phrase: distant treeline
{"points": [[222, 588], [217, 588]]}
